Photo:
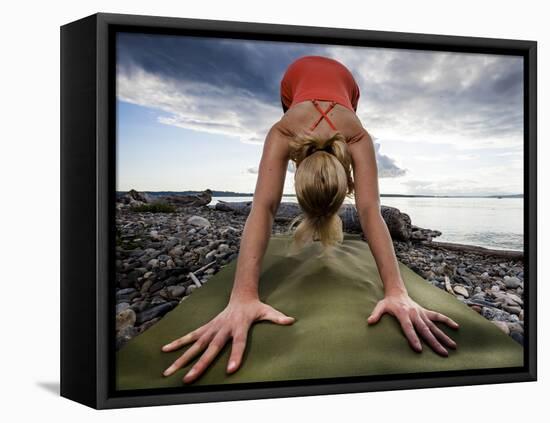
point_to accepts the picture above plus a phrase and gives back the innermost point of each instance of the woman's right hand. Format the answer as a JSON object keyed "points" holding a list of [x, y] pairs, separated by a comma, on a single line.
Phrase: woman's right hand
{"points": [[232, 322]]}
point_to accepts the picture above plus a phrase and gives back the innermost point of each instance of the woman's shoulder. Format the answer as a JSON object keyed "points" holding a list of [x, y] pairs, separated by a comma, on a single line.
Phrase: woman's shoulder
{"points": [[299, 118]]}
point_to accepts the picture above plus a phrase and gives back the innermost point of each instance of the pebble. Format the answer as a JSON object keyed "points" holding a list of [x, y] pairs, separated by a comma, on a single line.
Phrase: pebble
{"points": [[153, 312], [156, 251], [476, 308], [198, 221], [492, 313], [125, 318], [502, 326], [515, 327], [459, 289], [121, 307], [177, 291], [512, 309], [512, 282]]}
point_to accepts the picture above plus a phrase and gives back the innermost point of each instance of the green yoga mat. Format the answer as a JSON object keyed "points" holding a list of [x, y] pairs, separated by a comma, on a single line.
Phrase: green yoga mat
{"points": [[331, 299]]}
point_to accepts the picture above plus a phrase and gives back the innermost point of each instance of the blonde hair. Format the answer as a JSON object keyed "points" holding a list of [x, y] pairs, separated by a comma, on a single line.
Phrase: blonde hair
{"points": [[322, 180]]}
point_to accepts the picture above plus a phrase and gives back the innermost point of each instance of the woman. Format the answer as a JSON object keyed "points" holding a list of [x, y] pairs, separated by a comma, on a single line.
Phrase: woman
{"points": [[321, 133]]}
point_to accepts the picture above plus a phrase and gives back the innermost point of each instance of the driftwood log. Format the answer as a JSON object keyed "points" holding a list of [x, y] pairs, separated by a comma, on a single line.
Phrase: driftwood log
{"points": [[508, 254], [134, 197], [399, 224], [195, 200]]}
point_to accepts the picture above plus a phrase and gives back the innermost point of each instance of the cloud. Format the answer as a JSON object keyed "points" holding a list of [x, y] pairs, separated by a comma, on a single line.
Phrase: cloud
{"points": [[225, 87], [198, 105], [231, 87], [387, 168], [455, 186], [468, 100], [291, 168]]}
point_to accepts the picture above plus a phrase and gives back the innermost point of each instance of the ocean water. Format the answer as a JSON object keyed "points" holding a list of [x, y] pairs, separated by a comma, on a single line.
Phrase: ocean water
{"points": [[486, 222]]}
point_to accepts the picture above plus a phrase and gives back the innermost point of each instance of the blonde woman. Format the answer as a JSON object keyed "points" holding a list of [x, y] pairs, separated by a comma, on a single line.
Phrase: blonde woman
{"points": [[334, 157]]}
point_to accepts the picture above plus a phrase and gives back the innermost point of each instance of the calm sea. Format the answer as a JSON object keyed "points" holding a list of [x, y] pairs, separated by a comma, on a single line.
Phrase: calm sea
{"points": [[486, 222]]}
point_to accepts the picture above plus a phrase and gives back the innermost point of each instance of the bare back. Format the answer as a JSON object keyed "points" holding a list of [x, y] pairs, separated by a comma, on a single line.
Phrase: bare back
{"points": [[299, 118]]}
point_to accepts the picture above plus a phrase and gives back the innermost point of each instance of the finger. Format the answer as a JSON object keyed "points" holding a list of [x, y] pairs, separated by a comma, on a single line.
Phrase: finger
{"points": [[409, 331], [439, 334], [276, 316], [196, 348], [428, 336], [438, 317], [237, 350], [211, 352], [376, 313], [184, 340]]}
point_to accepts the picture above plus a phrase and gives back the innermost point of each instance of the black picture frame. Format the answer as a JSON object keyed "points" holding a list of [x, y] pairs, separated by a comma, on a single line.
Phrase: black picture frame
{"points": [[88, 198]]}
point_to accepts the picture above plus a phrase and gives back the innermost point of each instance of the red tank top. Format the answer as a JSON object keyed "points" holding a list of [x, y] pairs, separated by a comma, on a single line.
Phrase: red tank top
{"points": [[312, 78]]}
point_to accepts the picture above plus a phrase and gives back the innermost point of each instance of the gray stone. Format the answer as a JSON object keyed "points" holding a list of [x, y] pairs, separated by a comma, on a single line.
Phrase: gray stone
{"points": [[121, 307], [492, 313], [512, 309], [176, 291], [153, 312], [515, 327], [198, 221], [514, 299], [211, 254], [222, 248], [157, 300], [513, 318], [125, 318], [512, 282], [461, 290]]}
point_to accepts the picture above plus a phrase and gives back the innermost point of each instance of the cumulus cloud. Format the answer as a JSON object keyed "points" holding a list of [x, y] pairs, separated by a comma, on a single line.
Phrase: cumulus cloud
{"points": [[225, 87], [387, 167], [467, 100], [231, 87], [198, 105]]}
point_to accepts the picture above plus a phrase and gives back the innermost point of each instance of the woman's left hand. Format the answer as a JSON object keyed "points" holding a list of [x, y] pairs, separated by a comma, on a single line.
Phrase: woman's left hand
{"points": [[415, 318]]}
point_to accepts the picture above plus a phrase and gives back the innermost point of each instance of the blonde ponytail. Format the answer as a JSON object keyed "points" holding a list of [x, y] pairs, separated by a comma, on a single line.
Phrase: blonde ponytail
{"points": [[322, 180]]}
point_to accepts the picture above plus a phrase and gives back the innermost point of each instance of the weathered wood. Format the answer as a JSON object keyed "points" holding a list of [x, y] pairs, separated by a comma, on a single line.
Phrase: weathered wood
{"points": [[399, 224], [509, 254], [448, 286], [134, 197], [200, 199]]}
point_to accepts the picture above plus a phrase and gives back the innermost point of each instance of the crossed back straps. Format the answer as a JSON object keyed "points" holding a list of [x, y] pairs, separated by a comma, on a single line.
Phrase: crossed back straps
{"points": [[323, 114]]}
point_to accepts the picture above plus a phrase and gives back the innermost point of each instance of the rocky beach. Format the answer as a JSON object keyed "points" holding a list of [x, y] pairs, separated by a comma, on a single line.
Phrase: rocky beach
{"points": [[168, 246]]}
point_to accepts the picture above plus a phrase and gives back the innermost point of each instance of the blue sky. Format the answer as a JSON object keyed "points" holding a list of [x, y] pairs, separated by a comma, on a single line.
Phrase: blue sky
{"points": [[443, 123]]}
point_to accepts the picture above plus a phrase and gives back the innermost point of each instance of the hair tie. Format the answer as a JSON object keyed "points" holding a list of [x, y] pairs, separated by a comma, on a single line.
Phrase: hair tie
{"points": [[327, 148]]}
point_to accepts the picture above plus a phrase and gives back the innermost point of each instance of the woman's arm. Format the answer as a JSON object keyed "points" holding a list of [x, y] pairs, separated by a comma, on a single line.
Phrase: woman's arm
{"points": [[367, 202], [397, 302], [244, 306], [258, 226]]}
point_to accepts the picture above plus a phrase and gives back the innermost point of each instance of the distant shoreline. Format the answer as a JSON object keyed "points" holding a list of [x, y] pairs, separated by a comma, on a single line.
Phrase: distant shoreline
{"points": [[245, 194]]}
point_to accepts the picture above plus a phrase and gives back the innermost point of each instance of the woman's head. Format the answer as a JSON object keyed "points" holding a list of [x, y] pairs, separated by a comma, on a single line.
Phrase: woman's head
{"points": [[322, 181]]}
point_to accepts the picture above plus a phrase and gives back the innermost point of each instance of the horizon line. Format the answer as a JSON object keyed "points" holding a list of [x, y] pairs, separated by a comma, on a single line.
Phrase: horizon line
{"points": [[241, 194]]}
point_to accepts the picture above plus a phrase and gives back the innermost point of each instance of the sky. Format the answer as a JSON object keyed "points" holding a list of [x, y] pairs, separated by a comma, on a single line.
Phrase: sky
{"points": [[193, 113]]}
